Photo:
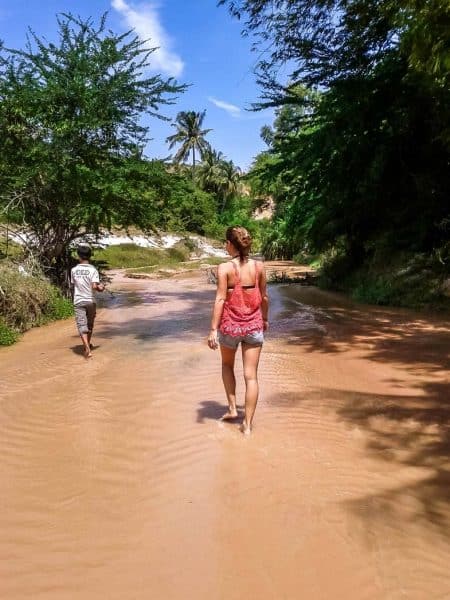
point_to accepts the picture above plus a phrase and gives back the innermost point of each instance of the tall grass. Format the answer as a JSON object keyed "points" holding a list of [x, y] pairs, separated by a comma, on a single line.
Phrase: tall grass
{"points": [[129, 255], [12, 250]]}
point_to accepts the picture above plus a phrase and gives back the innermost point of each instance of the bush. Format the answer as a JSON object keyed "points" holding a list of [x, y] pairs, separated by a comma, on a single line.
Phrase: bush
{"points": [[179, 252], [22, 298], [27, 301], [408, 280], [277, 242], [335, 272], [305, 258], [215, 230], [8, 336], [58, 306]]}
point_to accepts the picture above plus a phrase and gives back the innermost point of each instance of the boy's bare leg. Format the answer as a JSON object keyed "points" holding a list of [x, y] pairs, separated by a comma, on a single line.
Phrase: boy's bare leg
{"points": [[250, 358], [86, 343], [229, 380]]}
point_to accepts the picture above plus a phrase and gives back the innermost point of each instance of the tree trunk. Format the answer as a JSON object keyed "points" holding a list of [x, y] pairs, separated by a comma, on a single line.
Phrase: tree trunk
{"points": [[193, 163]]}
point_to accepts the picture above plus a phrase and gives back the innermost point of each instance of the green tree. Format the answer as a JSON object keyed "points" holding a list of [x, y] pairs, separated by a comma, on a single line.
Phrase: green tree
{"points": [[189, 135], [176, 203], [229, 182], [363, 166], [70, 136], [219, 176], [209, 172]]}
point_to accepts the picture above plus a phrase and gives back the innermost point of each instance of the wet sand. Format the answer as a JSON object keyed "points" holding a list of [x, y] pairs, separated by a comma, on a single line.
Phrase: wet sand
{"points": [[119, 481]]}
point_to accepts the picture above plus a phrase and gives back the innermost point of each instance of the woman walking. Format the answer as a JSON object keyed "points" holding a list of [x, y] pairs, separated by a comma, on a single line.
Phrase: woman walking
{"points": [[240, 316]]}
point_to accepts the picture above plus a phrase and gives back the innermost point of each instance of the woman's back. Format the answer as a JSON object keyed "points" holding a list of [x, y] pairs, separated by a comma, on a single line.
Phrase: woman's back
{"points": [[245, 272]]}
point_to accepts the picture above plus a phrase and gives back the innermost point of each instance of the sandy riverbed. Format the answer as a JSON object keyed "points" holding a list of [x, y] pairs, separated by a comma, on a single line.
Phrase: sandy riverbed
{"points": [[119, 481]]}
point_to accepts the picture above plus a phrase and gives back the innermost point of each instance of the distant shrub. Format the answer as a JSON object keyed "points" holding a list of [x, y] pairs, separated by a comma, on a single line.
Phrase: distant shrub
{"points": [[128, 255], [179, 252], [190, 243], [305, 258]]}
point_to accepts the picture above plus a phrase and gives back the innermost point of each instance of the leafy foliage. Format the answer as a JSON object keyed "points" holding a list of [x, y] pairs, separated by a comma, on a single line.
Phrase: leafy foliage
{"points": [[359, 154], [27, 300], [8, 336], [70, 136]]}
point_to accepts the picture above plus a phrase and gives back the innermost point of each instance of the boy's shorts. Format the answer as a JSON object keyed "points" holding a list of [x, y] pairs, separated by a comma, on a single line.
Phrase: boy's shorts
{"points": [[84, 316], [256, 338]]}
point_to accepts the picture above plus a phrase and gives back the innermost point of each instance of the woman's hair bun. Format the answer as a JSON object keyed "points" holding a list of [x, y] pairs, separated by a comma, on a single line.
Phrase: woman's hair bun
{"points": [[240, 238]]}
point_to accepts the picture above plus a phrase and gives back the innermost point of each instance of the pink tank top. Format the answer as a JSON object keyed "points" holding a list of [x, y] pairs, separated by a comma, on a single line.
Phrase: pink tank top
{"points": [[242, 309]]}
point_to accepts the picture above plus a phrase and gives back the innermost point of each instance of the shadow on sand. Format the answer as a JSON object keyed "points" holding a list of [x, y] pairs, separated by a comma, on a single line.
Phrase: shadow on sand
{"points": [[407, 430], [211, 410]]}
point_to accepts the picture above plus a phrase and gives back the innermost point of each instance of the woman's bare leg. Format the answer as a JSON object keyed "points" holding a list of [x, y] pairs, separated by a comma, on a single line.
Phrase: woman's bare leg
{"points": [[229, 380], [250, 358]]}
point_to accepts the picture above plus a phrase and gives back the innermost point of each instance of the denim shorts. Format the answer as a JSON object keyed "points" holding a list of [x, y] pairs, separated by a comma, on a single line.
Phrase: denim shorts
{"points": [[256, 338]]}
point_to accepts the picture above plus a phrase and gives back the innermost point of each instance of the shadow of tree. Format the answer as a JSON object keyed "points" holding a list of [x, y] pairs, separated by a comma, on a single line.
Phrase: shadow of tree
{"points": [[413, 431], [189, 319], [407, 430], [391, 335]]}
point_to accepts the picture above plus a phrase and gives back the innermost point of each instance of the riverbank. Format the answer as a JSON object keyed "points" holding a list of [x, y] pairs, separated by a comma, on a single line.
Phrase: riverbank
{"points": [[410, 280], [27, 299]]}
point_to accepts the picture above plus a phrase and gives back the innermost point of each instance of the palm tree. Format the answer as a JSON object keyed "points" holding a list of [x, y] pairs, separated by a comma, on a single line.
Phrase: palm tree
{"points": [[189, 134], [209, 172], [230, 181]]}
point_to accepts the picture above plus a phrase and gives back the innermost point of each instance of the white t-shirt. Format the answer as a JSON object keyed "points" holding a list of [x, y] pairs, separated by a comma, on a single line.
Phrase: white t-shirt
{"points": [[82, 277]]}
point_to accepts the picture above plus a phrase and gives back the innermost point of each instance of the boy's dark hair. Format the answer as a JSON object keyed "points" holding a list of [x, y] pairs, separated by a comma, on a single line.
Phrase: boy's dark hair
{"points": [[84, 252]]}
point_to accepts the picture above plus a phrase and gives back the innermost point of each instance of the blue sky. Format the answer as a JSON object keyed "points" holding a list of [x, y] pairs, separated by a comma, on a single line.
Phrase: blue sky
{"points": [[200, 44]]}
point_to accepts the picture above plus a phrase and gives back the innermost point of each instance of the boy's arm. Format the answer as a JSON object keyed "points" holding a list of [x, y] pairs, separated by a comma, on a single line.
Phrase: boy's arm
{"points": [[96, 284]]}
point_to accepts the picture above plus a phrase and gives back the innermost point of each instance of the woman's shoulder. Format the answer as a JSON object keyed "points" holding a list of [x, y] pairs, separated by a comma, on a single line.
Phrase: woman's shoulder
{"points": [[224, 267], [258, 263]]}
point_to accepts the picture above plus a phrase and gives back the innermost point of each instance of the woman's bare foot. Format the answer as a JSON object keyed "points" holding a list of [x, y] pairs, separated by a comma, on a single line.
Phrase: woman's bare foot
{"points": [[87, 353], [246, 429], [229, 415]]}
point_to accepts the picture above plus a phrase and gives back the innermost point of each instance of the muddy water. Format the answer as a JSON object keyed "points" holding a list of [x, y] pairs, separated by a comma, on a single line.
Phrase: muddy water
{"points": [[119, 481]]}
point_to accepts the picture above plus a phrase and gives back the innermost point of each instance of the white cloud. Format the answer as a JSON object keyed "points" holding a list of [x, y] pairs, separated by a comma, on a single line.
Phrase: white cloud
{"points": [[144, 19], [231, 109]]}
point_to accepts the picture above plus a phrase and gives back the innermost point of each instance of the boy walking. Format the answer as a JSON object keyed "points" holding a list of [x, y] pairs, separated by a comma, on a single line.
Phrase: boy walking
{"points": [[85, 280]]}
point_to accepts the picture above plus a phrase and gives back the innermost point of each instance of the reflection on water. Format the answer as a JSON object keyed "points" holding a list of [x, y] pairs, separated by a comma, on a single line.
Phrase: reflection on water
{"points": [[120, 481]]}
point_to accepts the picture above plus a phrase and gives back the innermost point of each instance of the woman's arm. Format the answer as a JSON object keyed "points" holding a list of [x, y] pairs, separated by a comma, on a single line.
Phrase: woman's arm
{"points": [[221, 295], [265, 298]]}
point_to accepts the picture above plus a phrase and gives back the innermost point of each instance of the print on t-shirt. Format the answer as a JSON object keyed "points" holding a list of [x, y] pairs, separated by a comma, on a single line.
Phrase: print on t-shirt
{"points": [[82, 277]]}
